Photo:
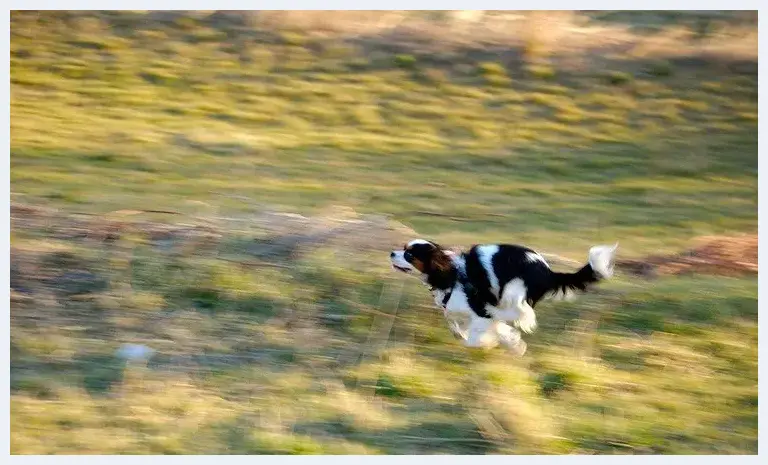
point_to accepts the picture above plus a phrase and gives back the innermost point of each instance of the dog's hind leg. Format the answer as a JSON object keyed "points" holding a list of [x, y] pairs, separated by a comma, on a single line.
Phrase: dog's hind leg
{"points": [[514, 308], [527, 322]]}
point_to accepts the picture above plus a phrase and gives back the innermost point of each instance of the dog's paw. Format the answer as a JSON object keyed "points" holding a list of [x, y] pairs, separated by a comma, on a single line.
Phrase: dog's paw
{"points": [[457, 332], [459, 336]]}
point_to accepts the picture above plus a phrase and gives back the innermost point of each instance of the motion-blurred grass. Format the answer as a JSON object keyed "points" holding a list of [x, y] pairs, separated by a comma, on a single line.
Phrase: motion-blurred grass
{"points": [[464, 144]]}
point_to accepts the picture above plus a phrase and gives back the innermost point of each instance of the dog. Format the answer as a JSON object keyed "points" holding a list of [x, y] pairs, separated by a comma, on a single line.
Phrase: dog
{"points": [[496, 284]]}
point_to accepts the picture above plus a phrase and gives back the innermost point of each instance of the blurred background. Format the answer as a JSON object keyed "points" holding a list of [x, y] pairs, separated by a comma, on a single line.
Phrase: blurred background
{"points": [[202, 205]]}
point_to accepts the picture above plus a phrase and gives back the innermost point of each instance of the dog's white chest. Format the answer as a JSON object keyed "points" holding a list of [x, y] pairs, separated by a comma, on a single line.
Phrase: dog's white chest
{"points": [[457, 303]]}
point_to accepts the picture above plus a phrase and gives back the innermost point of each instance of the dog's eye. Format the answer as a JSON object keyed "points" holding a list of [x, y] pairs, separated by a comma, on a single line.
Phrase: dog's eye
{"points": [[407, 256]]}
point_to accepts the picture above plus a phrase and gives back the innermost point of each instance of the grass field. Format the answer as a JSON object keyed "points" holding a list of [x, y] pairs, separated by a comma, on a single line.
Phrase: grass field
{"points": [[463, 143]]}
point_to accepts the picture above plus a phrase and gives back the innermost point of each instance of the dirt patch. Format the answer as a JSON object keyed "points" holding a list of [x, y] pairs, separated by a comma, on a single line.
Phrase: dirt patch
{"points": [[276, 235], [715, 255], [266, 235]]}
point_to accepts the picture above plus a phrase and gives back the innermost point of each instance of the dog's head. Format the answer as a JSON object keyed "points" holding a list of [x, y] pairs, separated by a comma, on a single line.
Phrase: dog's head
{"points": [[423, 256]]}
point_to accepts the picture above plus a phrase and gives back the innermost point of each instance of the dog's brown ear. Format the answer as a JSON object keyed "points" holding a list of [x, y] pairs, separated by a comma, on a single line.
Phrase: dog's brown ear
{"points": [[439, 260]]}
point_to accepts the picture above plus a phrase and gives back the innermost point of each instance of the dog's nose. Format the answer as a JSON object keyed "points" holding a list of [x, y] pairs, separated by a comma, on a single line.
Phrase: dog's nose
{"points": [[392, 255]]}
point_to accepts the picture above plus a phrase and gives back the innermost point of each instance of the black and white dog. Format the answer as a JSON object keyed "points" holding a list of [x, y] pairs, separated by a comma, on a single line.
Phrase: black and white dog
{"points": [[495, 284]]}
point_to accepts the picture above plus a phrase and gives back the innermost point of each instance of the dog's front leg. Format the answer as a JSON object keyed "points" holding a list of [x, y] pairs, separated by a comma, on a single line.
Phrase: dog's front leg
{"points": [[455, 327], [481, 333], [457, 331]]}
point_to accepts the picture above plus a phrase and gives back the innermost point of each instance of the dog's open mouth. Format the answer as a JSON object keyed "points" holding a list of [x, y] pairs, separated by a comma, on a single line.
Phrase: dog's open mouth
{"points": [[400, 268]]}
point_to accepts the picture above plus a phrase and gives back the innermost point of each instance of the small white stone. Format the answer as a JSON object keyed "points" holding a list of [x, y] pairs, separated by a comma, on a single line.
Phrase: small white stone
{"points": [[132, 352]]}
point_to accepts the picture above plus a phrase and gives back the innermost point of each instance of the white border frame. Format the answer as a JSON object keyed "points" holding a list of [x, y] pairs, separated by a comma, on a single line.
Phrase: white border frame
{"points": [[381, 5], [342, 5]]}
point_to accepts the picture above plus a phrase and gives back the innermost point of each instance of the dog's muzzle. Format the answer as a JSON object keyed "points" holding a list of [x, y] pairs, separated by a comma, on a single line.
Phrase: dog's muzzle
{"points": [[399, 263]]}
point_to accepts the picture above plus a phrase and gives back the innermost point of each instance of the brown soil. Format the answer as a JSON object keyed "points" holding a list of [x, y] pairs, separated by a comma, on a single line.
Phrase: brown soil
{"points": [[716, 255]]}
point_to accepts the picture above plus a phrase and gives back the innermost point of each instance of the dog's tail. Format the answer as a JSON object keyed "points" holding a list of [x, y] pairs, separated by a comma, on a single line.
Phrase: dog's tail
{"points": [[599, 267]]}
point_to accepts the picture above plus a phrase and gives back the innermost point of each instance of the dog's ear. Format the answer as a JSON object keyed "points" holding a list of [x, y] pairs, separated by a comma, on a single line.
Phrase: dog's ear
{"points": [[439, 260]]}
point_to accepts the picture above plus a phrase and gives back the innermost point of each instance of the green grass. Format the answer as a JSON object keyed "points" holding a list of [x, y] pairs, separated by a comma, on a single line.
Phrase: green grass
{"points": [[108, 114]]}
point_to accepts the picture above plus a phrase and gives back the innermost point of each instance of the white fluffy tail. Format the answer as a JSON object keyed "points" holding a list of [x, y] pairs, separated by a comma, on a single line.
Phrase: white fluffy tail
{"points": [[601, 259]]}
